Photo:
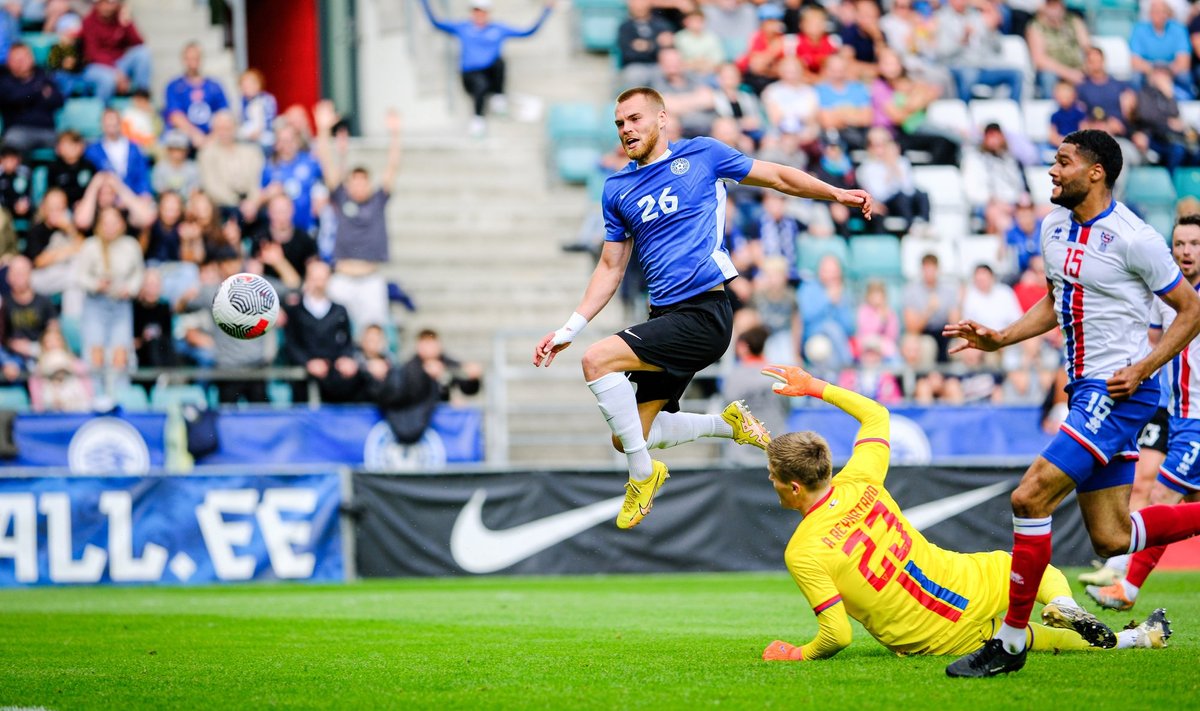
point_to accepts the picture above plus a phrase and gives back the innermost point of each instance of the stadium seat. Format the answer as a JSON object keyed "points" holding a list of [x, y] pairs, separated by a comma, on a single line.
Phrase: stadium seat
{"points": [[1040, 185], [72, 333], [1162, 219], [1149, 186], [1005, 112], [40, 43], [913, 250], [14, 398], [1187, 182], [279, 394], [598, 30], [83, 115], [1036, 118], [812, 249], [576, 163], [943, 184], [575, 120], [1109, 23], [875, 257], [974, 250], [950, 114], [950, 224], [1118, 58], [1015, 51], [38, 183], [165, 396], [132, 398]]}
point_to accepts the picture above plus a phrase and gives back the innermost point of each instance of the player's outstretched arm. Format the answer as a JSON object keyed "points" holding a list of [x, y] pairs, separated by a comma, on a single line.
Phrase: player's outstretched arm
{"points": [[795, 182], [1036, 321], [604, 282], [1182, 330], [794, 381], [834, 635]]}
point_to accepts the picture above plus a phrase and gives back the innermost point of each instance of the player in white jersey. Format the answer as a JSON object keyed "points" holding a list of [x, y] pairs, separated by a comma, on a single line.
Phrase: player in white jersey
{"points": [[1104, 267], [1179, 475], [670, 201]]}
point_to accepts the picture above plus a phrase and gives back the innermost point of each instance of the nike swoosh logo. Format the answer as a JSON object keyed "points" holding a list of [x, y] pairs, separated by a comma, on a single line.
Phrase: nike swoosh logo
{"points": [[478, 549], [622, 195], [633, 334], [934, 512]]}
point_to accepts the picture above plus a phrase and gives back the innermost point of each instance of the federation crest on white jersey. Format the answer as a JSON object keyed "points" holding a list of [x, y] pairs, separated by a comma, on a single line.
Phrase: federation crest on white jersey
{"points": [[245, 306]]}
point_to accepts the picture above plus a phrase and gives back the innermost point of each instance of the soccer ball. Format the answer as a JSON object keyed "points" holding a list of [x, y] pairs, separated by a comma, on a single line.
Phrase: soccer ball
{"points": [[245, 306]]}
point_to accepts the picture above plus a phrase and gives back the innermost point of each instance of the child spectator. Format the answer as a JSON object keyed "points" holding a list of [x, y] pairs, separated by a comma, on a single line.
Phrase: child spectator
{"points": [[66, 58], [1069, 114], [765, 51], [26, 314], [60, 382], [141, 123], [110, 271], [152, 325], [71, 171], [292, 171], [259, 110], [870, 378], [878, 323], [52, 244], [16, 184], [699, 47], [814, 45], [175, 172], [731, 101]]}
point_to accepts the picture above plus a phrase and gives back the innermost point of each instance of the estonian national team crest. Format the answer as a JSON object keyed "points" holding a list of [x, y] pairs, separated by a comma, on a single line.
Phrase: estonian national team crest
{"points": [[1106, 238], [679, 166]]}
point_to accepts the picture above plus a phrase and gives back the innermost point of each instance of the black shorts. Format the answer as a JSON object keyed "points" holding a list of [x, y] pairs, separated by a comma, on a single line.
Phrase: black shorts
{"points": [[682, 339], [1156, 432]]}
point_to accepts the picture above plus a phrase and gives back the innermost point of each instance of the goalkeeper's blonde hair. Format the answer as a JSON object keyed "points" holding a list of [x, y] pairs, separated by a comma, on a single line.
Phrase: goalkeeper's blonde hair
{"points": [[802, 458]]}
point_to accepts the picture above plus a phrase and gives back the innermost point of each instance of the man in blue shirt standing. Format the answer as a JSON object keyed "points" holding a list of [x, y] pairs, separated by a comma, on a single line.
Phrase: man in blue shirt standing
{"points": [[193, 98], [480, 41], [669, 201]]}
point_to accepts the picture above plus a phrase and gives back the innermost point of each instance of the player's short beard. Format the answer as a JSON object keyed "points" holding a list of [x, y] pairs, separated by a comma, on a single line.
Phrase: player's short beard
{"points": [[1071, 195], [648, 144]]}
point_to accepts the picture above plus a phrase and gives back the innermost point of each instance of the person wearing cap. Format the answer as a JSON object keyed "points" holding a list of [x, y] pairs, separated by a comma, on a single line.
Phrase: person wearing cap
{"points": [[480, 41], [174, 171], [29, 99], [65, 61]]}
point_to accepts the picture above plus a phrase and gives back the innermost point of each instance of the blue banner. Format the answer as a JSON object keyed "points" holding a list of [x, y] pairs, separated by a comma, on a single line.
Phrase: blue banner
{"points": [[923, 435], [177, 529], [133, 443]]}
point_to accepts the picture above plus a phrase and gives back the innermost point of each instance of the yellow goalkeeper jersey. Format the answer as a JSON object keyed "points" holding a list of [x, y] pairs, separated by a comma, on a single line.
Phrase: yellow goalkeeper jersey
{"points": [[856, 554]]}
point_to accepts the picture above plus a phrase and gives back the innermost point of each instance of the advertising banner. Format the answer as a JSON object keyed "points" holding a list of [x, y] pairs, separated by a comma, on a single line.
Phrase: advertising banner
{"points": [[133, 443], [714, 520], [178, 529]]}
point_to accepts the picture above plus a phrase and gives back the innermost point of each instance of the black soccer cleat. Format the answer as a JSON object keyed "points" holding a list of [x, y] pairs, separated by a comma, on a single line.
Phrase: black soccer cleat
{"points": [[989, 660], [1093, 631]]}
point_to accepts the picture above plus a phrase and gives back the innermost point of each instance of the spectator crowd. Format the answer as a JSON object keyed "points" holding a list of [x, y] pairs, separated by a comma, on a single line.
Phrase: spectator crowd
{"points": [[881, 94], [115, 236]]}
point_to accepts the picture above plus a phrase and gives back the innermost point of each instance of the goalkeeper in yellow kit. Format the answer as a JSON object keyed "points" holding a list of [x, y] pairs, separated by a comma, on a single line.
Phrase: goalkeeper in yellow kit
{"points": [[856, 555]]}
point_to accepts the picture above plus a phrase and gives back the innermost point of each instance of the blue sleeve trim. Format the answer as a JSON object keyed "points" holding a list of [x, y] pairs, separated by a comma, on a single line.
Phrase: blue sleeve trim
{"points": [[1174, 282]]}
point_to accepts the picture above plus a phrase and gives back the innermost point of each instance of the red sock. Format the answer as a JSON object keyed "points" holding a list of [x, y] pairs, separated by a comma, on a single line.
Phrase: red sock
{"points": [[1164, 524], [1030, 556], [1142, 564]]}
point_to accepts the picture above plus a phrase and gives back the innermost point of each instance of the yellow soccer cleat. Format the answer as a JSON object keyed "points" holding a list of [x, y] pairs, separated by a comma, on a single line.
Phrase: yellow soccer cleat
{"points": [[639, 496], [747, 429]]}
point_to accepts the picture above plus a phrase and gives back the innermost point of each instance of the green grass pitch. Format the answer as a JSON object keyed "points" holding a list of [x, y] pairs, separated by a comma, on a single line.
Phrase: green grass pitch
{"points": [[607, 642]]}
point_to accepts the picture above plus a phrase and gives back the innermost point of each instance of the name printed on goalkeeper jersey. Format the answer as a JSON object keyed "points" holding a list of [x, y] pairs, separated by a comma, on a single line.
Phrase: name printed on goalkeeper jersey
{"points": [[852, 517]]}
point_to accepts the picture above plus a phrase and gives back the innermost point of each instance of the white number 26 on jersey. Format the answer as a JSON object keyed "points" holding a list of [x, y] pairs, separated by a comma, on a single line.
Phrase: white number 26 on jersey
{"points": [[666, 202]]}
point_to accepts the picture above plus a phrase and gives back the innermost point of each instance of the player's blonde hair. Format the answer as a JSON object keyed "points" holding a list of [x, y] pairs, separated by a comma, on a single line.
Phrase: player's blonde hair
{"points": [[651, 95], [802, 458]]}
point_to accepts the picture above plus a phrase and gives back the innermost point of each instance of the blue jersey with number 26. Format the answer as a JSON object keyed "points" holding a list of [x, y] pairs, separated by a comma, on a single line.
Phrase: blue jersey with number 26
{"points": [[674, 209]]}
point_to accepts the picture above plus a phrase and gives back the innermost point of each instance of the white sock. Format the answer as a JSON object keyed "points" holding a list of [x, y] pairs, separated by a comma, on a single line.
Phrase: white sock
{"points": [[1127, 639], [1063, 601], [674, 428], [1013, 638], [1118, 562], [1131, 590], [614, 395]]}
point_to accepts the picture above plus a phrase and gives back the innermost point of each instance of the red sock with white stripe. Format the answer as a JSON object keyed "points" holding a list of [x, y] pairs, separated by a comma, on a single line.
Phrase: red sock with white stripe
{"points": [[1031, 554], [1140, 567], [1160, 525]]}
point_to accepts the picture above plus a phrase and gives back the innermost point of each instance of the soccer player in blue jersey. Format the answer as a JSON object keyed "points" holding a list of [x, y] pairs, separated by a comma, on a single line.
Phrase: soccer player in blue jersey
{"points": [[670, 201]]}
